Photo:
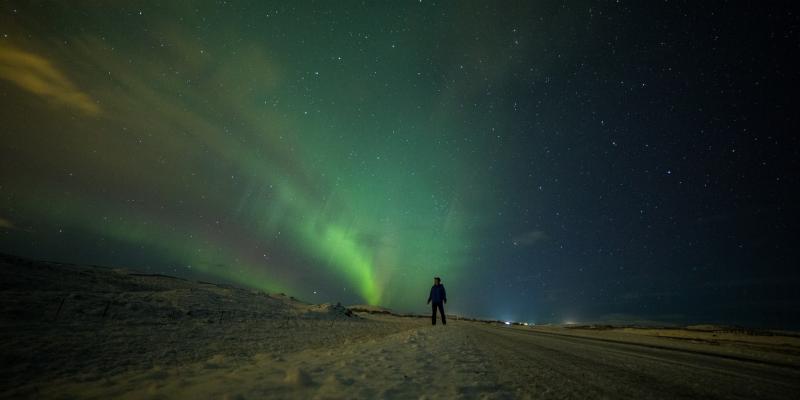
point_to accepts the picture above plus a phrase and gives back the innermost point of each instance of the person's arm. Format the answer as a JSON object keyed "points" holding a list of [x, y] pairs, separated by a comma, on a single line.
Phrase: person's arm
{"points": [[444, 295], [430, 295]]}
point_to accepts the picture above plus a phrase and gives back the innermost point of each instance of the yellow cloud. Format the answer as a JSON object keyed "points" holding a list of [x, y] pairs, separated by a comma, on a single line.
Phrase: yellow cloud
{"points": [[38, 76], [6, 224]]}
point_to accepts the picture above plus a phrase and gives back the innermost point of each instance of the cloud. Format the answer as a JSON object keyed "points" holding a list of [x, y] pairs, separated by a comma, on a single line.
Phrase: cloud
{"points": [[6, 224], [529, 238], [38, 76]]}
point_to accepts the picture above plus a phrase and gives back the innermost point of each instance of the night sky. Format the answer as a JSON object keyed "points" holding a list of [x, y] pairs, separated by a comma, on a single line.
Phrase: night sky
{"points": [[551, 161]]}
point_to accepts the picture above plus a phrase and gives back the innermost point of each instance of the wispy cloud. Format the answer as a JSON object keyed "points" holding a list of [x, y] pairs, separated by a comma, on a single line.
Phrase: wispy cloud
{"points": [[40, 77]]}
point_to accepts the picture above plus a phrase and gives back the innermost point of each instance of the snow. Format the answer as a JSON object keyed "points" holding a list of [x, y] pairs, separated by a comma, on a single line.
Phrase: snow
{"points": [[73, 331]]}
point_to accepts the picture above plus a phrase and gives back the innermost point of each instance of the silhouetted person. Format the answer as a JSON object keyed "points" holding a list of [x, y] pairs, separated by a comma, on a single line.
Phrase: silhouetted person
{"points": [[438, 296]]}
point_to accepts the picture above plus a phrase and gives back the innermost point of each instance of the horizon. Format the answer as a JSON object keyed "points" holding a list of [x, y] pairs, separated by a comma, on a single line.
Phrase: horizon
{"points": [[550, 162], [616, 320]]}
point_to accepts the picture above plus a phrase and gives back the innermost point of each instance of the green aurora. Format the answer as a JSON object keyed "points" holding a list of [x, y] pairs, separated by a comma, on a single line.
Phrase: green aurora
{"points": [[261, 152], [551, 160]]}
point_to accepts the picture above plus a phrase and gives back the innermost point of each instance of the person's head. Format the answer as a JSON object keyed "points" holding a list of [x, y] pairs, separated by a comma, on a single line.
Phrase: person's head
{"points": [[437, 280]]}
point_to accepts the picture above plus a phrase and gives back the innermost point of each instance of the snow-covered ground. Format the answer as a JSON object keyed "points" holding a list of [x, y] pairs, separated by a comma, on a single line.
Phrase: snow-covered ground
{"points": [[89, 332]]}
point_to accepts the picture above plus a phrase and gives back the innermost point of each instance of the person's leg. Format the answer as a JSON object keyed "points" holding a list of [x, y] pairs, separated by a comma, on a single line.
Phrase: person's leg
{"points": [[441, 311], [433, 316]]}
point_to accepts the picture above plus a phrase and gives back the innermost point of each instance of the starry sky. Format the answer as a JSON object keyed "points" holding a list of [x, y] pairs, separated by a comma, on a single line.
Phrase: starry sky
{"points": [[552, 161]]}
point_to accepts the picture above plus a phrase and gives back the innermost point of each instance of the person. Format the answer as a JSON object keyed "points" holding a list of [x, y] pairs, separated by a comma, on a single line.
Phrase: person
{"points": [[439, 297]]}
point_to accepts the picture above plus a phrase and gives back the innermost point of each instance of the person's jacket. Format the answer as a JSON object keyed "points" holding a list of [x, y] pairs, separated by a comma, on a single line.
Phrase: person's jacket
{"points": [[438, 295]]}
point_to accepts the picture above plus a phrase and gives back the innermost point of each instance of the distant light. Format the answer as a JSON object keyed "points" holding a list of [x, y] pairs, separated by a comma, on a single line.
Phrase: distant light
{"points": [[508, 323], [525, 323]]}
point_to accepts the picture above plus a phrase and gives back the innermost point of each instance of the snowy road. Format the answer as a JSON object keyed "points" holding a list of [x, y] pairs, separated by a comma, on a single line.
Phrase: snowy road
{"points": [[471, 360], [543, 365], [477, 360]]}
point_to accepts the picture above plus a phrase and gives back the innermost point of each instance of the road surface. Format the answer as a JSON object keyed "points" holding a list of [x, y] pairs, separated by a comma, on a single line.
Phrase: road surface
{"points": [[542, 365], [461, 360], [474, 360]]}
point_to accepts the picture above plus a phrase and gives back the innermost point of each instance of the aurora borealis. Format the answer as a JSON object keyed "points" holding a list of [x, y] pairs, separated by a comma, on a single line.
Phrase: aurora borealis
{"points": [[551, 161]]}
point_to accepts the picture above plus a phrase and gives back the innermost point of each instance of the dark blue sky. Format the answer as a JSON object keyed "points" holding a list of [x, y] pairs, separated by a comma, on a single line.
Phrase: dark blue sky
{"points": [[558, 161]]}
